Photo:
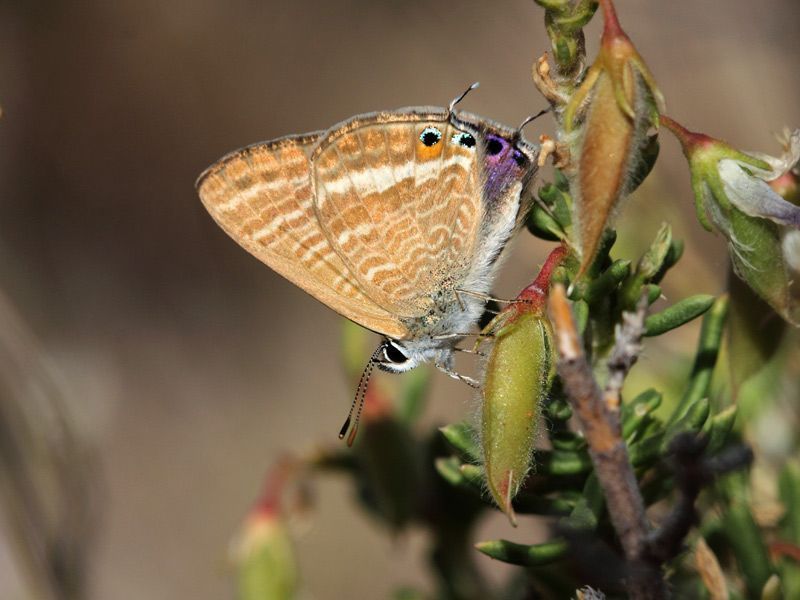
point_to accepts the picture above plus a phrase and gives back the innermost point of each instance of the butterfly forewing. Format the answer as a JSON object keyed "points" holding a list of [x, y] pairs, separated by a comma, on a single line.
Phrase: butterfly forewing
{"points": [[402, 214], [262, 197]]}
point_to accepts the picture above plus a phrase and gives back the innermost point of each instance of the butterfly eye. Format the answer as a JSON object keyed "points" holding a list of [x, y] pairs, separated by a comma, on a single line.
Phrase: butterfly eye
{"points": [[519, 158], [392, 353], [430, 136], [494, 147], [464, 139]]}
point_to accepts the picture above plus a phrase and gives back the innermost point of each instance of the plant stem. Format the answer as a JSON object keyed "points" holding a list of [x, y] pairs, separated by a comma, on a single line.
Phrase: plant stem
{"points": [[607, 449]]}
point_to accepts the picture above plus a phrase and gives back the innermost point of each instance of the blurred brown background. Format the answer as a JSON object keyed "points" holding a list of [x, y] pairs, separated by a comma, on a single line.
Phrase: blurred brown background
{"points": [[189, 365]]}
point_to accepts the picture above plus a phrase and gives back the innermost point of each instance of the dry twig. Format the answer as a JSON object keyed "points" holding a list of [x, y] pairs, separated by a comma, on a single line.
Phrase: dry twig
{"points": [[626, 352]]}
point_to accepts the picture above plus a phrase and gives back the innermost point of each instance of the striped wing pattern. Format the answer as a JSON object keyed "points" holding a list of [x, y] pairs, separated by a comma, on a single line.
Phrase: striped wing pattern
{"points": [[403, 217], [262, 197]]}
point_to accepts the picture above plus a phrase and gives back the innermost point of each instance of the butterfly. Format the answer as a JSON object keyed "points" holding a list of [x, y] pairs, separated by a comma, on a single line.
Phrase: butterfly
{"points": [[395, 220]]}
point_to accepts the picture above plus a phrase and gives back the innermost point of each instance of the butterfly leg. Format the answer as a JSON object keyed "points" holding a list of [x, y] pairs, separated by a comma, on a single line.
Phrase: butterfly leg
{"points": [[484, 297], [463, 378], [451, 336], [468, 351], [445, 365]]}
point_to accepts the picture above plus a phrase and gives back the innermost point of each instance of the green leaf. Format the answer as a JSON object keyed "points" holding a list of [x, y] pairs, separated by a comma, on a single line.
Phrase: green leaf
{"points": [[586, 513], [559, 410], [535, 504], [678, 314], [645, 452], [705, 358], [560, 180], [459, 475], [744, 536], [544, 226], [649, 265], [568, 441], [601, 257], [464, 439], [670, 260], [653, 293], [523, 554], [634, 413], [580, 309], [549, 193], [600, 288], [692, 420], [470, 479], [562, 462], [558, 200], [719, 428]]}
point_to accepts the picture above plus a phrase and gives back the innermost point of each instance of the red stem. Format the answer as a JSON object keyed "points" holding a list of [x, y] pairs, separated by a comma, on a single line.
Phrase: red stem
{"points": [[536, 292], [612, 28]]}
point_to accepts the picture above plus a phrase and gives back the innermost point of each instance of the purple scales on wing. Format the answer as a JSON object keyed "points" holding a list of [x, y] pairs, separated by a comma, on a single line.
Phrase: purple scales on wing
{"points": [[505, 165]]}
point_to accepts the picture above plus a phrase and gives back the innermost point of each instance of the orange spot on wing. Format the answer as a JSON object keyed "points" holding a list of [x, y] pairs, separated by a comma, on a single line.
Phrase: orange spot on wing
{"points": [[429, 152]]}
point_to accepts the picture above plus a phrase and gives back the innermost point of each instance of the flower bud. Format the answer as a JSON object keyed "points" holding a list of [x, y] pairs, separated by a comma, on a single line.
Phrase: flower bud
{"points": [[621, 103], [518, 374], [263, 550], [732, 193]]}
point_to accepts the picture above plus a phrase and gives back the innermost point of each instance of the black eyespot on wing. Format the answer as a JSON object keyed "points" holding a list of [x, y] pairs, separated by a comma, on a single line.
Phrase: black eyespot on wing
{"points": [[393, 353], [494, 146], [464, 139], [430, 136]]}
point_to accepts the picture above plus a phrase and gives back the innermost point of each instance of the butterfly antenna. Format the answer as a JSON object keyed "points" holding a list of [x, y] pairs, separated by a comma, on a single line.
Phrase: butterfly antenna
{"points": [[528, 120], [358, 400], [452, 105]]}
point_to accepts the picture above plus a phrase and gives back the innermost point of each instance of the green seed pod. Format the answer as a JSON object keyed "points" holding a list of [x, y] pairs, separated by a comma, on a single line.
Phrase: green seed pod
{"points": [[518, 375]]}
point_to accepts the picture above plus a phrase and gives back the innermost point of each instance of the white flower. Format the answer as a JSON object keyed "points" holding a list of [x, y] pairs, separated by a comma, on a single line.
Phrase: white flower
{"points": [[746, 185]]}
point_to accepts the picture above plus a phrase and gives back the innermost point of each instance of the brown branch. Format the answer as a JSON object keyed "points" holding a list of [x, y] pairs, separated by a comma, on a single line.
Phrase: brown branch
{"points": [[607, 450]]}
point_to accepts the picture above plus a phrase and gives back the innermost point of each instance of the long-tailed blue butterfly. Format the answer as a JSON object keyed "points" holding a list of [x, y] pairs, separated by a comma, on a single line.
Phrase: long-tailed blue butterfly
{"points": [[396, 220]]}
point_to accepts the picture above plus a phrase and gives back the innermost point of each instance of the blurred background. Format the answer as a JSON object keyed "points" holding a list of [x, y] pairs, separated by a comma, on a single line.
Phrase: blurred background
{"points": [[185, 366]]}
